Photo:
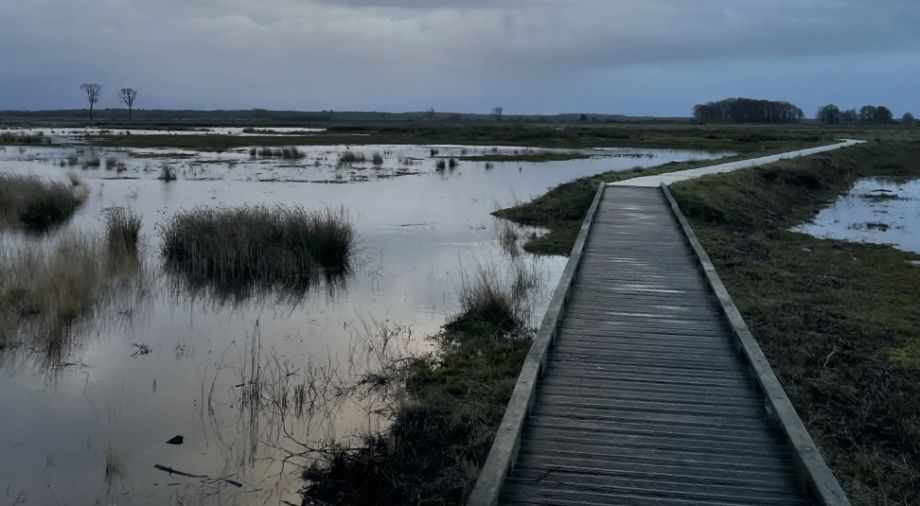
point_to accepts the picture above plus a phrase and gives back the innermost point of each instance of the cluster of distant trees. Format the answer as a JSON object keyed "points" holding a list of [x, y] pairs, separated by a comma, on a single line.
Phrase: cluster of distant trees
{"points": [[868, 114], [747, 110], [93, 93]]}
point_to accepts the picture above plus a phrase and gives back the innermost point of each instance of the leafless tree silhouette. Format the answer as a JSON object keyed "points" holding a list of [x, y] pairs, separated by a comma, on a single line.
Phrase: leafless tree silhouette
{"points": [[128, 96], [93, 92]]}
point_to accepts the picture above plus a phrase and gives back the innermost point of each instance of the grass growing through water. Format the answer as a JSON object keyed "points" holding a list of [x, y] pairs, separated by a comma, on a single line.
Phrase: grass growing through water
{"points": [[236, 249], [45, 292], [35, 204], [450, 406], [837, 320], [123, 228]]}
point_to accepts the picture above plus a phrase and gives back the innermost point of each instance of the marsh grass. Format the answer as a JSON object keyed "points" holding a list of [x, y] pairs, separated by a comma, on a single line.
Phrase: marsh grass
{"points": [[286, 152], [167, 173], [509, 239], [38, 138], [377, 159], [35, 204], [350, 157], [122, 230], [236, 250], [446, 408], [46, 292]]}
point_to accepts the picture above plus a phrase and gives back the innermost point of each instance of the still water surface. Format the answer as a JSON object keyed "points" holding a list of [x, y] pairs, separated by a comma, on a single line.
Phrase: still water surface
{"points": [[177, 363]]}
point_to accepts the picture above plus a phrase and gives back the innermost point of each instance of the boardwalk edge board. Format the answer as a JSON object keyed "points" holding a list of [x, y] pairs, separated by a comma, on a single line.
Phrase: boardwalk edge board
{"points": [[507, 440], [814, 470]]}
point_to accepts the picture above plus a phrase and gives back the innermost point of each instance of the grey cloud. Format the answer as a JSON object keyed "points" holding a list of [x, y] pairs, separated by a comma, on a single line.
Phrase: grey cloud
{"points": [[380, 54]]}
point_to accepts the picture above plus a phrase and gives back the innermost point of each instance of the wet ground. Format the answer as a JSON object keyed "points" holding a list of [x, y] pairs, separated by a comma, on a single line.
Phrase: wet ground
{"points": [[91, 426], [881, 211]]}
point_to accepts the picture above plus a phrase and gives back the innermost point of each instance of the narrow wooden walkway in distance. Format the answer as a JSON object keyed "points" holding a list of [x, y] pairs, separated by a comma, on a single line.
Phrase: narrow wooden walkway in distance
{"points": [[644, 400]]}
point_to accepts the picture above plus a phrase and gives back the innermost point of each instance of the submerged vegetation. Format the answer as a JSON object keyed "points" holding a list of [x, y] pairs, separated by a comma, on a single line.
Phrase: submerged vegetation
{"points": [[449, 405], [35, 204], [836, 319], [234, 250]]}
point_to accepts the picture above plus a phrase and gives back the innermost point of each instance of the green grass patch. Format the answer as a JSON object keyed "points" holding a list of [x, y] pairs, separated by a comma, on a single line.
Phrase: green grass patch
{"points": [[839, 321], [562, 209]]}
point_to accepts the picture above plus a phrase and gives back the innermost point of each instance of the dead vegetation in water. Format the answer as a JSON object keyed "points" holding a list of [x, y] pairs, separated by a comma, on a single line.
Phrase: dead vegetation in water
{"points": [[46, 293], [37, 205], [236, 251]]}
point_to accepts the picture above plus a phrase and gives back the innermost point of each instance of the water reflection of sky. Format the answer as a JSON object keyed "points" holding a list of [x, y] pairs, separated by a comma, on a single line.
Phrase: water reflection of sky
{"points": [[881, 211], [417, 232]]}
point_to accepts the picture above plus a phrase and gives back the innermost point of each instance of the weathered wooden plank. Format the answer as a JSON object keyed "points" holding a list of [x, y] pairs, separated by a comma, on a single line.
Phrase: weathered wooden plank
{"points": [[643, 399]]}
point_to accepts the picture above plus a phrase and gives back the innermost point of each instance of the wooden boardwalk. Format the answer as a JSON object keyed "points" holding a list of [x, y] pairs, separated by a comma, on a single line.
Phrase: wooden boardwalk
{"points": [[643, 397]]}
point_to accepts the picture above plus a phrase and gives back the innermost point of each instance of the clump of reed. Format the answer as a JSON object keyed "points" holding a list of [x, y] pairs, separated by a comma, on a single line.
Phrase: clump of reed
{"points": [[36, 204], [44, 292], [509, 239], [122, 230], [440, 165], [377, 159], [37, 138], [349, 157], [236, 249], [452, 163], [167, 173], [287, 152], [503, 298], [91, 161]]}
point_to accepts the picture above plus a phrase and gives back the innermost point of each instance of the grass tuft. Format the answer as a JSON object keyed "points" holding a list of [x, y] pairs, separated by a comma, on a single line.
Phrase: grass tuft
{"points": [[122, 230], [35, 204], [236, 249]]}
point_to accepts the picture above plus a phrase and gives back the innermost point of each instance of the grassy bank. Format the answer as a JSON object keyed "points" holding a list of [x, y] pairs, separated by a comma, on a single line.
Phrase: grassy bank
{"points": [[35, 204], [562, 209], [450, 404], [837, 320]]}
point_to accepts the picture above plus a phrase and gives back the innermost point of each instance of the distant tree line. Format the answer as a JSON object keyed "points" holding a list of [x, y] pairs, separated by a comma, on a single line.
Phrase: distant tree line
{"points": [[747, 110], [867, 115]]}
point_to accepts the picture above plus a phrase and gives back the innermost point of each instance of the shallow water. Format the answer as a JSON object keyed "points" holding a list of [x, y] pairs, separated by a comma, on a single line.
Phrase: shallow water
{"points": [[176, 362], [880, 211]]}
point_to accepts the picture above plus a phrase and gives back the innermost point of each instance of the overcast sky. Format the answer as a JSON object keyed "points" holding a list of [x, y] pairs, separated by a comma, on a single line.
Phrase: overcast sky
{"points": [[638, 57]]}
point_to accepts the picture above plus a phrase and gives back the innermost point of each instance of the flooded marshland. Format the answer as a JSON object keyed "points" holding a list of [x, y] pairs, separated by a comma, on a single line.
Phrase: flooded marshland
{"points": [[875, 210], [244, 383]]}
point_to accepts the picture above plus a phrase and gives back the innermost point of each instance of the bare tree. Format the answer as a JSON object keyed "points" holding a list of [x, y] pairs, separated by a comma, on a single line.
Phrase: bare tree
{"points": [[128, 95], [497, 113], [93, 92]]}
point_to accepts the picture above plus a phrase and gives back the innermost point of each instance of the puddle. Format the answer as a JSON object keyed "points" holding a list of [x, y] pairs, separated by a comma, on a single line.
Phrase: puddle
{"points": [[880, 211], [93, 425]]}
